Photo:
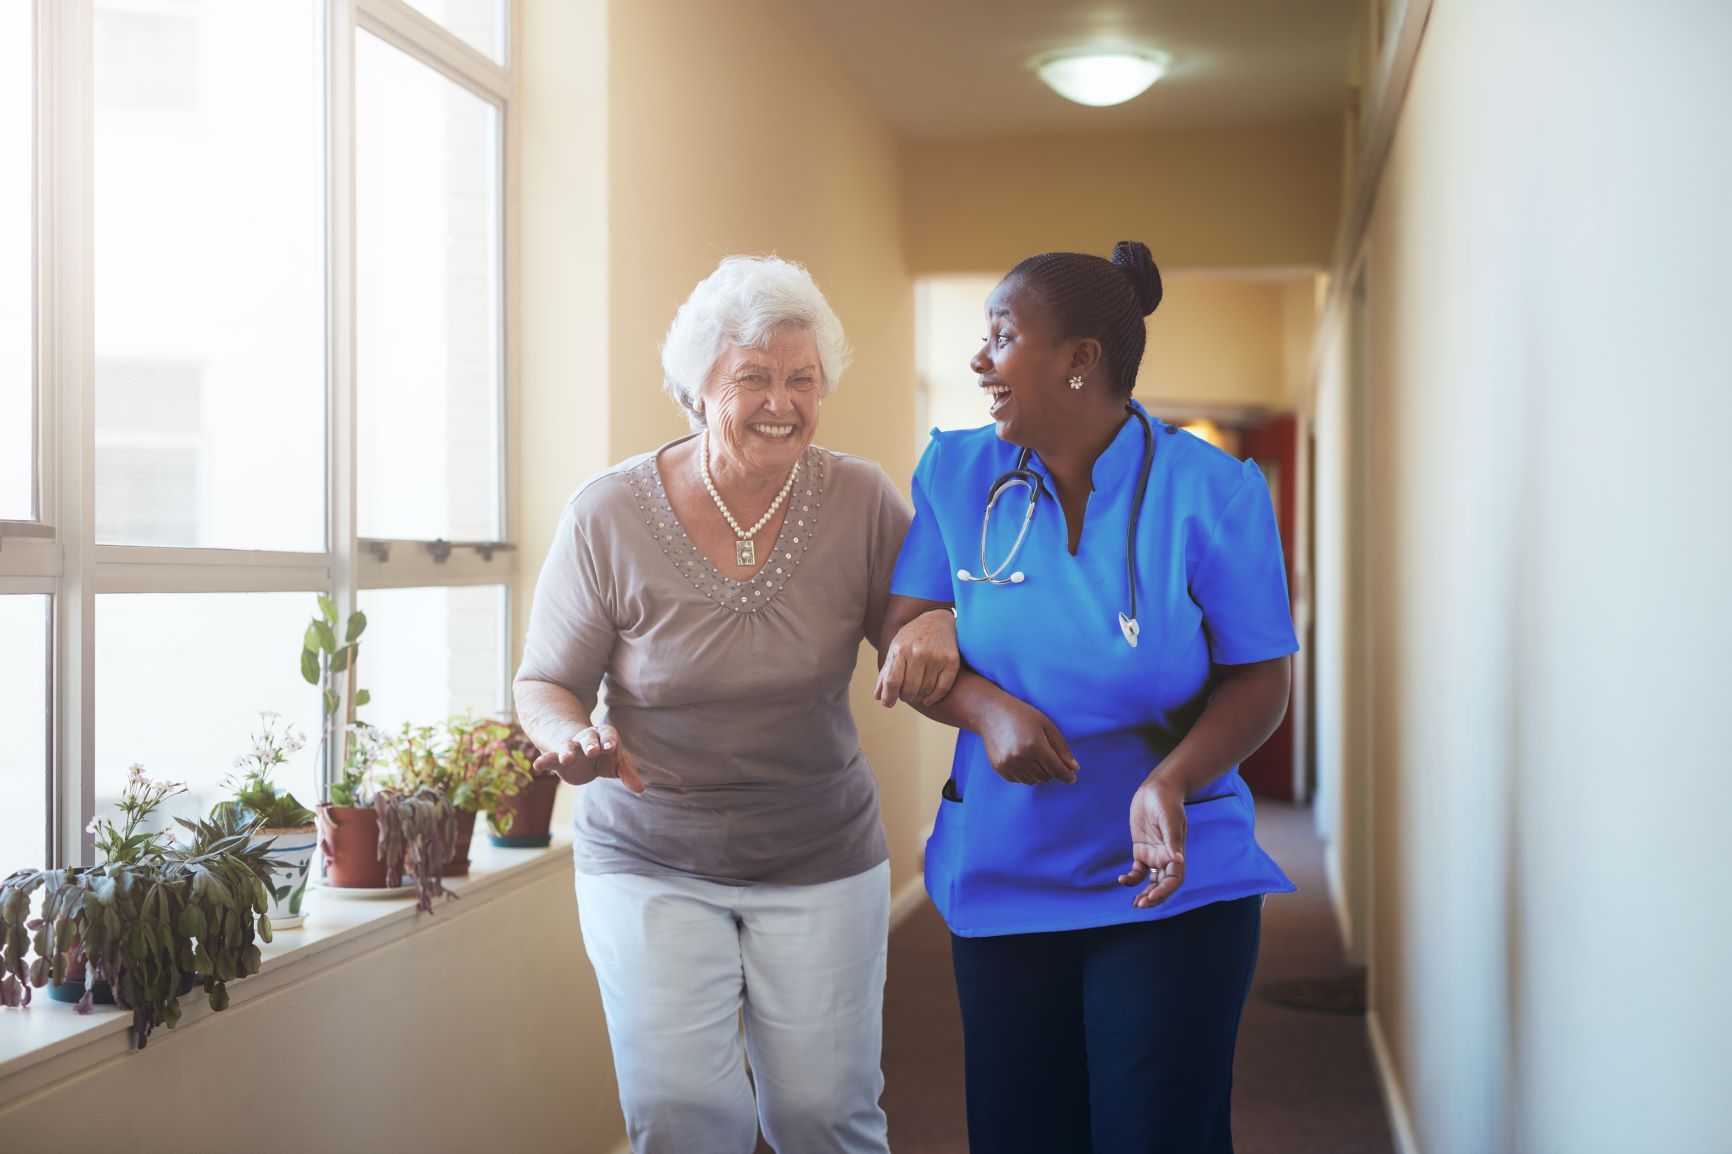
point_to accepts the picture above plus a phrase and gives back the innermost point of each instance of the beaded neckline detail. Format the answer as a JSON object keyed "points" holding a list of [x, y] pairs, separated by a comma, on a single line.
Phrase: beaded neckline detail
{"points": [[799, 528]]}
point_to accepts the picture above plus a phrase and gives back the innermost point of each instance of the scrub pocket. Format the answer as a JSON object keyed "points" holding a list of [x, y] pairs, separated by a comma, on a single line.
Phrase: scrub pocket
{"points": [[944, 857]]}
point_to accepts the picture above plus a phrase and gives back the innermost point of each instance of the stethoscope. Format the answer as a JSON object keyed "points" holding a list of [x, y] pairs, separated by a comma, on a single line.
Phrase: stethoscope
{"points": [[1031, 480]]}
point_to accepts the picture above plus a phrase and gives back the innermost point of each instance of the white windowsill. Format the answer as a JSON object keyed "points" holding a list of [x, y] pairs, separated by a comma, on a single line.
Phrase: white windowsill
{"points": [[49, 1041]]}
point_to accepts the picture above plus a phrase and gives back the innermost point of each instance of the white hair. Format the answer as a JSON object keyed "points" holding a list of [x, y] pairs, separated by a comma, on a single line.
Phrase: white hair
{"points": [[744, 303]]}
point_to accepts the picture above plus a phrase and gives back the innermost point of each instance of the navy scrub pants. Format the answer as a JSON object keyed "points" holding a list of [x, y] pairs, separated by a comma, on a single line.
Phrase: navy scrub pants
{"points": [[1117, 1040]]}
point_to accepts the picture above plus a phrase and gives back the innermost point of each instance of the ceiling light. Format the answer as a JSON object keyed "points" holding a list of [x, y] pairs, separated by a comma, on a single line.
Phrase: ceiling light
{"points": [[1100, 78]]}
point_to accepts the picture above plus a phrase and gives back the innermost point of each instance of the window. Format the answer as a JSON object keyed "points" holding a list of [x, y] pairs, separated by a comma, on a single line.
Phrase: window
{"points": [[480, 23], [210, 275], [147, 453], [427, 268], [145, 58], [24, 678], [17, 265], [431, 653], [180, 681], [285, 301]]}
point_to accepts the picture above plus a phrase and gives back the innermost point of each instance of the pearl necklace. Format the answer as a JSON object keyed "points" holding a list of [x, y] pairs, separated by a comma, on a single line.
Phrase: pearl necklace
{"points": [[745, 549]]}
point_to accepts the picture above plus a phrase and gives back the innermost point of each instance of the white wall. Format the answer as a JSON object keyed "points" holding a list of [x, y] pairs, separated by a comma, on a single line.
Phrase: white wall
{"points": [[1548, 549]]}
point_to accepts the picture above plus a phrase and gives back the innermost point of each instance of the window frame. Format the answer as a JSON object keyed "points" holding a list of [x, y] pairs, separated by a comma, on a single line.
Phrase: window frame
{"points": [[57, 554]]}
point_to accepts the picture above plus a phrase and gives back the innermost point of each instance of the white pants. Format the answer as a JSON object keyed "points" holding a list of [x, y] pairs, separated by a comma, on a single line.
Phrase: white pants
{"points": [[680, 961]]}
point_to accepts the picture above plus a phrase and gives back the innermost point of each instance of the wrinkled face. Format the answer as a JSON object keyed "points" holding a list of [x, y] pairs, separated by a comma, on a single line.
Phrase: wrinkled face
{"points": [[1022, 367], [761, 405]]}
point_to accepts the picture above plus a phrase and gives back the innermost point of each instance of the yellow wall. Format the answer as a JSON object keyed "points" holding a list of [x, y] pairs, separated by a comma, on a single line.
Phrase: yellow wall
{"points": [[1546, 551], [1251, 198], [1221, 340]]}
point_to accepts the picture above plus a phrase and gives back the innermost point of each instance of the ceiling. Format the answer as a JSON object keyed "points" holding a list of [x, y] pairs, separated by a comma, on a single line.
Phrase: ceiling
{"points": [[941, 69]]}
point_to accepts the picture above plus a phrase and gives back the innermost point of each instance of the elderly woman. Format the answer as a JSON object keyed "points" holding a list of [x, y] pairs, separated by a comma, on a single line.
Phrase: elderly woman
{"points": [[730, 860]]}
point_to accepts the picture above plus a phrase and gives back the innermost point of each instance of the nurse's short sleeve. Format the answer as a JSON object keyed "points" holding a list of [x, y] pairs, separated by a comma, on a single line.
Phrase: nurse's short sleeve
{"points": [[1241, 582], [571, 634], [923, 569]]}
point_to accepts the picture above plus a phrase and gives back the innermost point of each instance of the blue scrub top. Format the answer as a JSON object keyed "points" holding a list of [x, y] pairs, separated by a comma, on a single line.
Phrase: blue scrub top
{"points": [[1211, 587]]}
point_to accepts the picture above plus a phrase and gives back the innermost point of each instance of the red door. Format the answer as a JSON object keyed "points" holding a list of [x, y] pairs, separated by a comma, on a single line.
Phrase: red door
{"points": [[1275, 445]]}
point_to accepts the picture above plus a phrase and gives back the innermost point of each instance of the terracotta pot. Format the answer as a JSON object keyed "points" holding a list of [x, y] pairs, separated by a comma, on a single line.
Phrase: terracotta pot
{"points": [[349, 843], [457, 865], [532, 812]]}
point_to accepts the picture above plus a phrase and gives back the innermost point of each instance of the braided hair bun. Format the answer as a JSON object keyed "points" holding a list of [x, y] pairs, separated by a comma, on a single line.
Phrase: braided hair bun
{"points": [[1090, 296], [1133, 259]]}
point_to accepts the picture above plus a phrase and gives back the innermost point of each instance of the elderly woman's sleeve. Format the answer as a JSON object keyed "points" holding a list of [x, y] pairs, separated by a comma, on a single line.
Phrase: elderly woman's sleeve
{"points": [[924, 570], [571, 633], [889, 528], [1241, 583]]}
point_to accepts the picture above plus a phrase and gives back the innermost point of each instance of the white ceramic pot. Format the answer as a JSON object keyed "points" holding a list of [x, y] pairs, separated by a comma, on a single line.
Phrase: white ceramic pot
{"points": [[292, 857]]}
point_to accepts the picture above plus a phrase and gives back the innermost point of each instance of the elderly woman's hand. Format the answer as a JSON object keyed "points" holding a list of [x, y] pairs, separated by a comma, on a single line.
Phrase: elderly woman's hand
{"points": [[922, 662], [592, 753]]}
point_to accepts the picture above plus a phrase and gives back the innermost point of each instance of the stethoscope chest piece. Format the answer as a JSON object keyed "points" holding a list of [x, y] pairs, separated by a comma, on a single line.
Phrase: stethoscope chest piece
{"points": [[1129, 627]]}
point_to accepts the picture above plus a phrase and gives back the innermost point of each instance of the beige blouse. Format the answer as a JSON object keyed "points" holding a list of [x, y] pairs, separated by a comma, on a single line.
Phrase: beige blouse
{"points": [[732, 696]]}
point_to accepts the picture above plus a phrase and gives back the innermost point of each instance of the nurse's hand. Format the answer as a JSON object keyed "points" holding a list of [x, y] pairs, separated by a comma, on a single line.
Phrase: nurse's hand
{"points": [[922, 662], [1157, 841], [592, 753], [1024, 746]]}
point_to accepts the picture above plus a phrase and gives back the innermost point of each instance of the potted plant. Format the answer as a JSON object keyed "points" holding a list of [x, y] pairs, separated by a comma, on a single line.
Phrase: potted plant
{"points": [[353, 854], [377, 834], [149, 922], [471, 763], [524, 819], [276, 818], [348, 830], [420, 827]]}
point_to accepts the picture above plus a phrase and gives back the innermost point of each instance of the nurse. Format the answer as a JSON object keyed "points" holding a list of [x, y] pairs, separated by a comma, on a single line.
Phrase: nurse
{"points": [[1123, 617]]}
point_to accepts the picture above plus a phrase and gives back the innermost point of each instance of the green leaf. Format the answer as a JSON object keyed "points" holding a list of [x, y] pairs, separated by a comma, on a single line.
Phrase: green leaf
{"points": [[362, 697], [357, 626], [340, 659], [310, 666], [326, 640], [327, 609]]}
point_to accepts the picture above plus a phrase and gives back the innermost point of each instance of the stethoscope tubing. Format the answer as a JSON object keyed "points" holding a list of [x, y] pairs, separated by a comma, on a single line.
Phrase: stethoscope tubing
{"points": [[1021, 474]]}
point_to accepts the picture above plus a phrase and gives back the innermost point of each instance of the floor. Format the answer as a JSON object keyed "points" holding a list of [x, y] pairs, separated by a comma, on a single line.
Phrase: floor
{"points": [[1304, 1082]]}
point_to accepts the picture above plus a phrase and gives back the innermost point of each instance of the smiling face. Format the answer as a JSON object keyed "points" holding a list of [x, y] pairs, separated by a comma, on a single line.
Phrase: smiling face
{"points": [[761, 405], [1023, 367]]}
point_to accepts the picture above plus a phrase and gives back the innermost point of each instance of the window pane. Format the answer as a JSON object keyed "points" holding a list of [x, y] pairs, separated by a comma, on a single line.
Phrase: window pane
{"points": [[427, 270], [479, 22], [180, 681], [210, 271], [17, 268], [431, 653], [24, 722]]}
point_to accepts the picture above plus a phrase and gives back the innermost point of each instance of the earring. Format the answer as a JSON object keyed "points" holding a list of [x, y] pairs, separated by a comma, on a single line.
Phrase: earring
{"points": [[1076, 382]]}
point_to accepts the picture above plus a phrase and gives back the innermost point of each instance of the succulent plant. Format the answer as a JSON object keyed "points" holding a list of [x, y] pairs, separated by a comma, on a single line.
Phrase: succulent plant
{"points": [[149, 914]]}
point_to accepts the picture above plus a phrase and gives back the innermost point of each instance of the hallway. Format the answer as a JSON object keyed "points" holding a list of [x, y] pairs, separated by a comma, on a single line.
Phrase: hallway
{"points": [[1305, 1083]]}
